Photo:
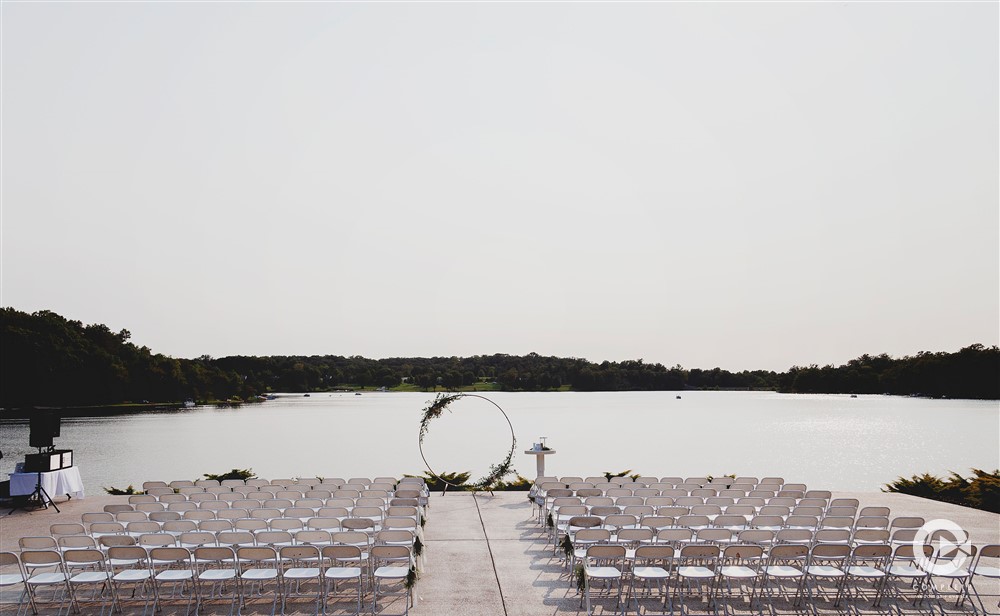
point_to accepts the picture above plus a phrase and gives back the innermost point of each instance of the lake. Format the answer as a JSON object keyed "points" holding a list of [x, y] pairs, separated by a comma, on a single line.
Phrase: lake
{"points": [[827, 441]]}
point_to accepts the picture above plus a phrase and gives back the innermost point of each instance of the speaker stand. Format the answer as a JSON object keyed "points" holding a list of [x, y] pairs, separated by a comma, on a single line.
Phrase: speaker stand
{"points": [[39, 497]]}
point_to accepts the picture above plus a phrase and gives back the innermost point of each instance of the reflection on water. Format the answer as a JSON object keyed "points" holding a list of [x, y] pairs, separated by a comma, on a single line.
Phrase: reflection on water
{"points": [[837, 442]]}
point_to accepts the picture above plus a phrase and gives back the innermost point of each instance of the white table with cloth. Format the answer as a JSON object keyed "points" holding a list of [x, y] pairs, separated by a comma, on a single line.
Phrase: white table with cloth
{"points": [[55, 483]]}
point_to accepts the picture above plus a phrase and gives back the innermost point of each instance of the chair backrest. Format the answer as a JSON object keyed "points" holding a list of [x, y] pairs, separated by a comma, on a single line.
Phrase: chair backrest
{"points": [[339, 553], [37, 543], [830, 551], [76, 542], [794, 535], [167, 556], [87, 556], [157, 540], [248, 556], [57, 530], [743, 553], [250, 524], [356, 523], [634, 536], [714, 535], [215, 526], [91, 517], [699, 552], [273, 537], [674, 536], [788, 552], [313, 537], [41, 558], [132, 516], [285, 524], [196, 538], [164, 516], [832, 535], [216, 555], [129, 556], [113, 541], [906, 522], [235, 538], [351, 537], [763, 537], [606, 552]]}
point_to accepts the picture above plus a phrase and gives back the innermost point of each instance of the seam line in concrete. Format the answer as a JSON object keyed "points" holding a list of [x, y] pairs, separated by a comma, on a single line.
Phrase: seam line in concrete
{"points": [[503, 602]]}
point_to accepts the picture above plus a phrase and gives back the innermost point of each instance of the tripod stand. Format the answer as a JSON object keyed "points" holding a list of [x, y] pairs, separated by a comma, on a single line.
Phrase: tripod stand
{"points": [[39, 497]]}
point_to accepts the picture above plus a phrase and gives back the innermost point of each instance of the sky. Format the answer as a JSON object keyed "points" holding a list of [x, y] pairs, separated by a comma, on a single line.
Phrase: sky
{"points": [[743, 185]]}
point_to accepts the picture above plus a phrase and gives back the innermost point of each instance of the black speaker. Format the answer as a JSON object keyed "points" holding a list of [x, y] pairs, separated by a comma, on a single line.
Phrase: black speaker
{"points": [[44, 427]]}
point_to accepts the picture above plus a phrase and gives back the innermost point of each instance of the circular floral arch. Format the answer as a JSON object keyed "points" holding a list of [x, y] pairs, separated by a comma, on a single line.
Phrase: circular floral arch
{"points": [[497, 471]]}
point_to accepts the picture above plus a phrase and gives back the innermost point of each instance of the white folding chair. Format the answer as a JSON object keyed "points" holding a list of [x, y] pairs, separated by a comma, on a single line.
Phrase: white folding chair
{"points": [[652, 567], [301, 574], [12, 574], [385, 565], [868, 564], [130, 570], [604, 565], [989, 570], [173, 576], [216, 576], [87, 568], [344, 561], [785, 563], [259, 570], [46, 571], [827, 563], [696, 566], [740, 567]]}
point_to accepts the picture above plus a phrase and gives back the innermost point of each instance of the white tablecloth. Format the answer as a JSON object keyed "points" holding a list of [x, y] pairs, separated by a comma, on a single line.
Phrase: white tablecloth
{"points": [[55, 483]]}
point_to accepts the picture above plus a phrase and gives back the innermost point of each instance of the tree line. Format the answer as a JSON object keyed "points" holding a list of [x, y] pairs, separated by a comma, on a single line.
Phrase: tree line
{"points": [[48, 360]]}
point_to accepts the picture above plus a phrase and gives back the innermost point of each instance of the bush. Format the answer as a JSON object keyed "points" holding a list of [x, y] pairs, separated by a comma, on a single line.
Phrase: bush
{"points": [[236, 473], [434, 481], [981, 491], [521, 484], [113, 491]]}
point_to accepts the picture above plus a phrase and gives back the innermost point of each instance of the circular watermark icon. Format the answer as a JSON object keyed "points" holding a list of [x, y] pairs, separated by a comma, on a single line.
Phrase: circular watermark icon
{"points": [[951, 544]]}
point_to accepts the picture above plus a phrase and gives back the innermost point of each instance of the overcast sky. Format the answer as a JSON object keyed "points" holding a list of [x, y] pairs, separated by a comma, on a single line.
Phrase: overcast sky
{"points": [[737, 185]]}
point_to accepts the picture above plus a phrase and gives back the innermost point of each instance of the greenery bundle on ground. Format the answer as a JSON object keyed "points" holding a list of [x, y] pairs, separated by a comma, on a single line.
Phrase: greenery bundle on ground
{"points": [[113, 491], [439, 482], [236, 473], [981, 491], [608, 475]]}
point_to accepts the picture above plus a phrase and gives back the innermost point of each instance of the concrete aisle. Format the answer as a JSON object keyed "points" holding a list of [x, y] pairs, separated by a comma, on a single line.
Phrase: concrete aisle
{"points": [[488, 556]]}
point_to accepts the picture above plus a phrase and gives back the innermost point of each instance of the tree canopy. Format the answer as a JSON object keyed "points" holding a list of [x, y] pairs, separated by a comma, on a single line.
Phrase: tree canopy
{"points": [[48, 360]]}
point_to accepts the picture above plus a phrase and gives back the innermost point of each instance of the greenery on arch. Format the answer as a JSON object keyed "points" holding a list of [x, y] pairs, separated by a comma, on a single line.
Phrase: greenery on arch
{"points": [[494, 478]]}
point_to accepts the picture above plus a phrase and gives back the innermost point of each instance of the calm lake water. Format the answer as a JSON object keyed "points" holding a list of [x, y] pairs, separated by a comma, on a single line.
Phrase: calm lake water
{"points": [[827, 441]]}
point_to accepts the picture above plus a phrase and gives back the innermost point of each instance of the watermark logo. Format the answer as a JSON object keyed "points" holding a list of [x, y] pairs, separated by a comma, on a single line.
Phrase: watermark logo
{"points": [[951, 544]]}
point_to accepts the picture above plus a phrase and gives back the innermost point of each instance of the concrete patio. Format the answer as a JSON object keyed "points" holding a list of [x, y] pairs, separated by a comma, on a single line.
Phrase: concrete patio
{"points": [[487, 555]]}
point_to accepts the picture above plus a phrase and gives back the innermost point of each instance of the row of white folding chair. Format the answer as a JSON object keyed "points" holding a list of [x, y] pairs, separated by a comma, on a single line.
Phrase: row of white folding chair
{"points": [[661, 499], [744, 507], [367, 524], [167, 568], [256, 482], [178, 530], [804, 530], [273, 503], [828, 517], [646, 480], [263, 513], [681, 490], [858, 572], [198, 494]]}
